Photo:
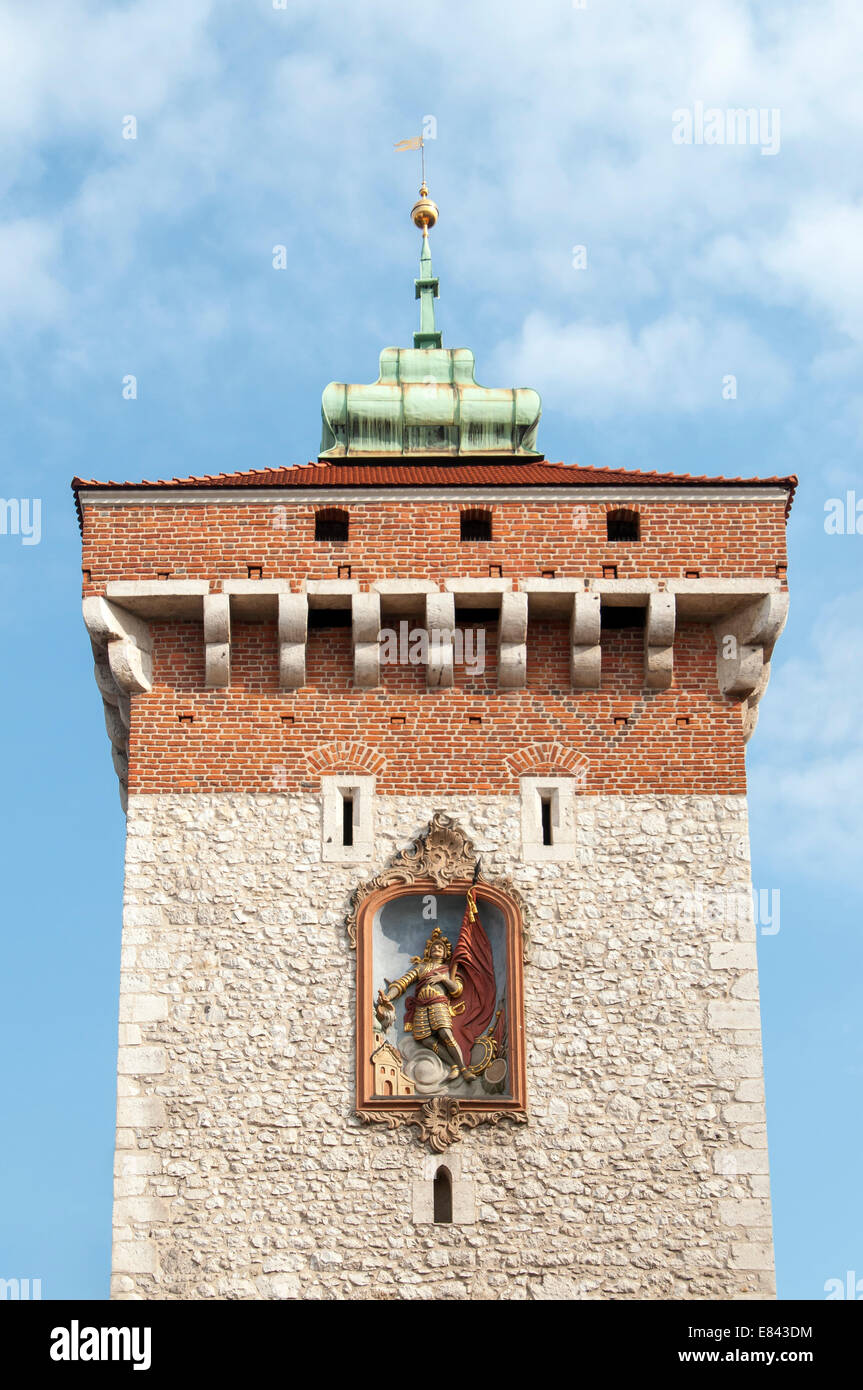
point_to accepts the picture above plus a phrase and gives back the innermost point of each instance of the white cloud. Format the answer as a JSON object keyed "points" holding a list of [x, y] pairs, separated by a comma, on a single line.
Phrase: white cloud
{"points": [[554, 128], [31, 292], [674, 364], [817, 259], [74, 66], [807, 755]]}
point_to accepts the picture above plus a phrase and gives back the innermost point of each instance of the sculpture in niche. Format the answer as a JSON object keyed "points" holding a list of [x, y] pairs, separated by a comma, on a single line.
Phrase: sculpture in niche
{"points": [[439, 990]]}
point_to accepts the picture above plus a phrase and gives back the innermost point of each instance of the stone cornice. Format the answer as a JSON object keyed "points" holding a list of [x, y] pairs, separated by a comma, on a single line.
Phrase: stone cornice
{"points": [[576, 495], [745, 615]]}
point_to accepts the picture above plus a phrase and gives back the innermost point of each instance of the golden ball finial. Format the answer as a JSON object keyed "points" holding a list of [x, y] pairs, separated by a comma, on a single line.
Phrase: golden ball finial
{"points": [[424, 213]]}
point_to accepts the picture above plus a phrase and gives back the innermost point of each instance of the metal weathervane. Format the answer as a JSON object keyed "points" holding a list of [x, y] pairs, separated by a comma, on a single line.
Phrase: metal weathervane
{"points": [[424, 214], [415, 142]]}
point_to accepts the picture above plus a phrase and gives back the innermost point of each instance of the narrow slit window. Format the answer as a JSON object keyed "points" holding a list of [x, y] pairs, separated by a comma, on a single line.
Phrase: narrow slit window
{"points": [[545, 813], [347, 818], [442, 1197]]}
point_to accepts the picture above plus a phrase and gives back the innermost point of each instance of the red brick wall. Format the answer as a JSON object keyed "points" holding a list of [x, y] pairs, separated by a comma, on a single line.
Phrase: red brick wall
{"points": [[414, 539], [239, 740]]}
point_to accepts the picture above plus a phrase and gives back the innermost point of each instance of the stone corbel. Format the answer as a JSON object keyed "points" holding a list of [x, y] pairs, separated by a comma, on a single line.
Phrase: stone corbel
{"points": [[585, 650], [122, 654], [659, 641], [293, 634], [440, 625], [117, 710], [512, 642], [366, 627], [744, 645], [128, 642], [217, 641]]}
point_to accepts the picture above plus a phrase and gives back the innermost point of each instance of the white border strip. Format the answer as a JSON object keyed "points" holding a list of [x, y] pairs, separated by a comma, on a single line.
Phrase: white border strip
{"points": [[574, 494]]}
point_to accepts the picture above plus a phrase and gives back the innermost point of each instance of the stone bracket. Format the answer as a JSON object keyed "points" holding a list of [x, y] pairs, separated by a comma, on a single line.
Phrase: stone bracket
{"points": [[366, 627], [744, 645], [746, 615], [585, 655], [512, 642], [659, 641], [122, 653], [293, 634], [217, 641], [128, 642], [440, 625]]}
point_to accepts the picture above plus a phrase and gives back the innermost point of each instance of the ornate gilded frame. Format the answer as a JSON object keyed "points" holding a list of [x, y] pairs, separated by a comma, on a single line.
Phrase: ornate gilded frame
{"points": [[441, 860]]}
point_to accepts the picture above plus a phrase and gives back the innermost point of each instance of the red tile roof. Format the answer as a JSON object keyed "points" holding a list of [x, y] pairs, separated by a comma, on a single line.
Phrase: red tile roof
{"points": [[442, 473]]}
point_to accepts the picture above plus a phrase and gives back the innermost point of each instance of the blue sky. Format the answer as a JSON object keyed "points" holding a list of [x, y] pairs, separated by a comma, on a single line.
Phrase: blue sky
{"points": [[259, 127]]}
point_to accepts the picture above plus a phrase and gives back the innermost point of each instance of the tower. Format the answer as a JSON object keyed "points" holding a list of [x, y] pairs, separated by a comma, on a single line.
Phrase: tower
{"points": [[432, 754]]}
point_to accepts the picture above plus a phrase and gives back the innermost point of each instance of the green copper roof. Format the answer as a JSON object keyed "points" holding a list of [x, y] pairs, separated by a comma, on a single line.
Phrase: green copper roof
{"points": [[426, 400]]}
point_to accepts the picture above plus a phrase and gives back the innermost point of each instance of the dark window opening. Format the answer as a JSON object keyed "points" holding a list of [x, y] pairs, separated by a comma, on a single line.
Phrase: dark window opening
{"points": [[477, 617], [329, 617], [347, 818], [476, 526], [442, 1197], [621, 617], [545, 811], [622, 526], [331, 525]]}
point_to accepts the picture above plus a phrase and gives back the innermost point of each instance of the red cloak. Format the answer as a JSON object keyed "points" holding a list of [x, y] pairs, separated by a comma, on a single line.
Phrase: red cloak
{"points": [[472, 961]]}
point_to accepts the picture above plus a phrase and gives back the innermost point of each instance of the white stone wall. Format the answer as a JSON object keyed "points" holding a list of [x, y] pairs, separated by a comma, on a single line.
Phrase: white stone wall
{"points": [[242, 1171]]}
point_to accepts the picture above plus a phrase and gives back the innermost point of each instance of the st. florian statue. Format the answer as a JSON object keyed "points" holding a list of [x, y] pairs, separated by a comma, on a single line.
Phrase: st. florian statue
{"points": [[430, 1011]]}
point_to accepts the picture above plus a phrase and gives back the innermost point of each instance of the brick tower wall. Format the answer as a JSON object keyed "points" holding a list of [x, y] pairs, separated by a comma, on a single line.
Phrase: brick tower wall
{"points": [[242, 1169]]}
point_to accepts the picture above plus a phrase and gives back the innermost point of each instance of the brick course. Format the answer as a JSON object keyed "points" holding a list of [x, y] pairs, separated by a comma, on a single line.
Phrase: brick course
{"points": [[417, 539], [238, 739]]}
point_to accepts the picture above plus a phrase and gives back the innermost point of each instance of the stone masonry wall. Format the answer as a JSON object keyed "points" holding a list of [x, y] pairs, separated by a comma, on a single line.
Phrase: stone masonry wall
{"points": [[242, 1170]]}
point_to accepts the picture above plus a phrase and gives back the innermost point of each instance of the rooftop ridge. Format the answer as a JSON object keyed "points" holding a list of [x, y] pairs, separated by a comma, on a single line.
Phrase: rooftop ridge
{"points": [[362, 471]]}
